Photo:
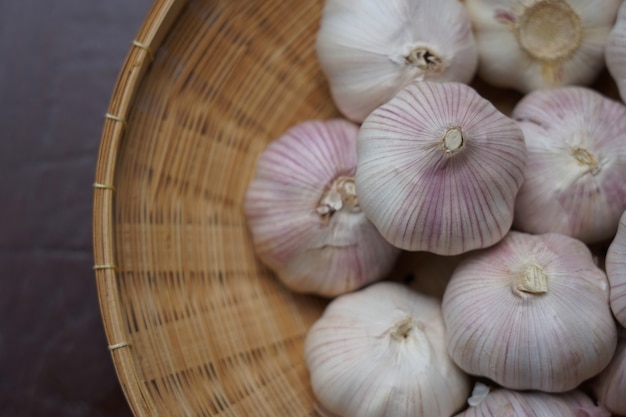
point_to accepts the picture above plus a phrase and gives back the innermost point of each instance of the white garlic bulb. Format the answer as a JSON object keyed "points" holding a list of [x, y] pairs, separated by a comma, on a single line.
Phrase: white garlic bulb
{"points": [[615, 51], [615, 265], [504, 402], [574, 182], [610, 386], [439, 168], [370, 49], [380, 351], [533, 44], [531, 312], [304, 214]]}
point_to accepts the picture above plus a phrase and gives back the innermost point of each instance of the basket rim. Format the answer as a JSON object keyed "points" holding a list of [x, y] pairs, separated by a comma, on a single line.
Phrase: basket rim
{"points": [[154, 28]]}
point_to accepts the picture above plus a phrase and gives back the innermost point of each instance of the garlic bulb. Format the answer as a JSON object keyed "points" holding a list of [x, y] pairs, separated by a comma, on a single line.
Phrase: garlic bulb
{"points": [[533, 44], [381, 352], [370, 49], [304, 214], [610, 385], [574, 182], [503, 402], [531, 312], [615, 51], [616, 271], [438, 169]]}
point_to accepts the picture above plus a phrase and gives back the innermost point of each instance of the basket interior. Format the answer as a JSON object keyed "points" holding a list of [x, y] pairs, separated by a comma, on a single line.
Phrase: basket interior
{"points": [[211, 330]]}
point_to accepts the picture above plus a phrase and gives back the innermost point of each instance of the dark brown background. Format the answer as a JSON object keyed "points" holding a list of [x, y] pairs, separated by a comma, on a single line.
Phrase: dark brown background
{"points": [[59, 60]]}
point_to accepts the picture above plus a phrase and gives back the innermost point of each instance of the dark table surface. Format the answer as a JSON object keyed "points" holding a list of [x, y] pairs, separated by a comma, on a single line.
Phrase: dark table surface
{"points": [[59, 61]]}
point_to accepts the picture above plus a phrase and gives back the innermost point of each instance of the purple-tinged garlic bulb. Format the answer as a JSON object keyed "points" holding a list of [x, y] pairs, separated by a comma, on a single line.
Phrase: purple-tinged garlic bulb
{"points": [[439, 168], [533, 44], [381, 351], [610, 386], [304, 214], [615, 51], [504, 402], [575, 176], [371, 49], [615, 265], [530, 313]]}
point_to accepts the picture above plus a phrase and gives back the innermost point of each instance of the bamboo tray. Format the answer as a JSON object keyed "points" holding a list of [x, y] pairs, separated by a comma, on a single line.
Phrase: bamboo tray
{"points": [[196, 326]]}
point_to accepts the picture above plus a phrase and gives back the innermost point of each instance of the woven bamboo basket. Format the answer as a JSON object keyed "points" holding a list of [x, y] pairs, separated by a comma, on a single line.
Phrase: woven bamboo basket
{"points": [[196, 325]]}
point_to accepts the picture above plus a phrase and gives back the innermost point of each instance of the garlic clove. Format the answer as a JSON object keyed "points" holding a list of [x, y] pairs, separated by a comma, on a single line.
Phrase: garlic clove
{"points": [[369, 50], [615, 265], [615, 51], [529, 45], [304, 216], [504, 402], [380, 351], [574, 182], [610, 386], [513, 313], [439, 168]]}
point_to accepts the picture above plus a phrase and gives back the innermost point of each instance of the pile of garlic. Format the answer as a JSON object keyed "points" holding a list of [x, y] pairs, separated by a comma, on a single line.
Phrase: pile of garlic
{"points": [[516, 223]]}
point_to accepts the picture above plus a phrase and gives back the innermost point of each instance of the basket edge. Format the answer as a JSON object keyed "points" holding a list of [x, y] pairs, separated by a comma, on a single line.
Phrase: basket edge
{"points": [[157, 23]]}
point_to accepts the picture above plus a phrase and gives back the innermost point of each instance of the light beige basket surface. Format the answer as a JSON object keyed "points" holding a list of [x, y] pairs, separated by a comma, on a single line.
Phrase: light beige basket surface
{"points": [[196, 325]]}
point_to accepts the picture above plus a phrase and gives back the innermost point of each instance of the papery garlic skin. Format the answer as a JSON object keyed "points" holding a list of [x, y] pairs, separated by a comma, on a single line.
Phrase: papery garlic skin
{"points": [[530, 313], [615, 265], [533, 44], [615, 51], [504, 402], [304, 215], [479, 393], [610, 386], [575, 175], [439, 168], [369, 49], [380, 351]]}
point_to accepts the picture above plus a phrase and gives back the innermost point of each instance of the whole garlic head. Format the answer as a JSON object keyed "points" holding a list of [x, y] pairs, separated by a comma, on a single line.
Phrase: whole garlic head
{"points": [[439, 168], [504, 402], [615, 265], [574, 181], [530, 313], [615, 51], [370, 49], [304, 215], [533, 44], [380, 351]]}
